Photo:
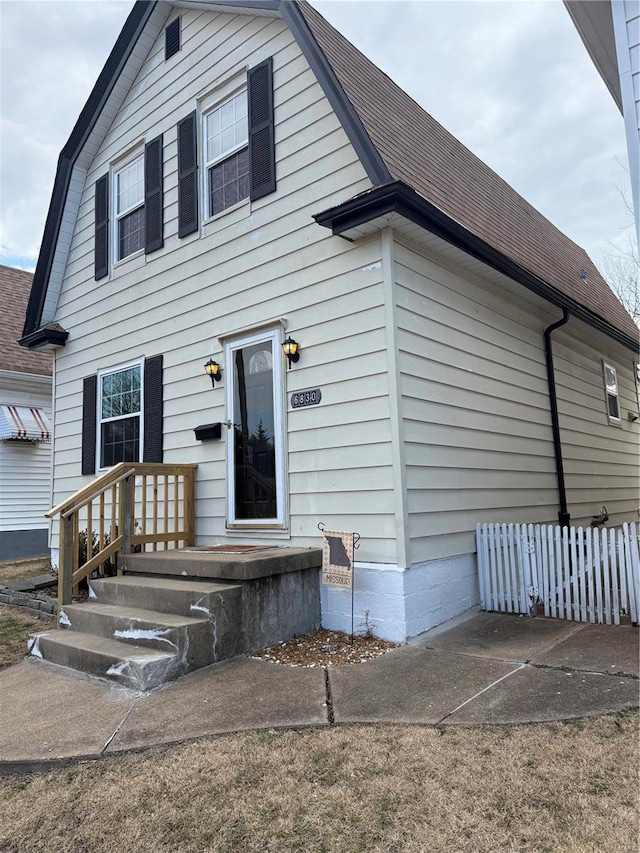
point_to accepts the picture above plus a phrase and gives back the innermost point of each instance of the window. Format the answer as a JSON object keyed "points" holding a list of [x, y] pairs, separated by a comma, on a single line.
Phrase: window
{"points": [[227, 154], [129, 209], [119, 415], [128, 191], [226, 149], [122, 412], [611, 391]]}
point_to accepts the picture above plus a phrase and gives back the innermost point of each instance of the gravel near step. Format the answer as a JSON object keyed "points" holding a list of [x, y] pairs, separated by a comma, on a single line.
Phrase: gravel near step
{"points": [[326, 648]]}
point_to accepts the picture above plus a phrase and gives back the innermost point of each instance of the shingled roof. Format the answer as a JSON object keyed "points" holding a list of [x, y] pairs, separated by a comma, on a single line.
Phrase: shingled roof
{"points": [[402, 148], [417, 150], [14, 294]]}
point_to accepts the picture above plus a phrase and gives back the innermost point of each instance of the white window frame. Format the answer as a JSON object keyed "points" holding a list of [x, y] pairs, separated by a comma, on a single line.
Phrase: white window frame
{"points": [[211, 106], [117, 169], [277, 523], [107, 371], [611, 390]]}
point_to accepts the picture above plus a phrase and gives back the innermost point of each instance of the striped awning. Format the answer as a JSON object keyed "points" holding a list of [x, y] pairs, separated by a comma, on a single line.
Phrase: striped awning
{"points": [[23, 423]]}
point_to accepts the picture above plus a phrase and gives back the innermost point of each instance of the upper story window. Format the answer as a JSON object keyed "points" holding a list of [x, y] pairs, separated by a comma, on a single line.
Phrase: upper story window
{"points": [[226, 148], [119, 414], [611, 391], [128, 191], [226, 137]]}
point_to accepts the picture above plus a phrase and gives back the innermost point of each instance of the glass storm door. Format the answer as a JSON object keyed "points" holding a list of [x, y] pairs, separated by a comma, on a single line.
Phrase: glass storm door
{"points": [[255, 451]]}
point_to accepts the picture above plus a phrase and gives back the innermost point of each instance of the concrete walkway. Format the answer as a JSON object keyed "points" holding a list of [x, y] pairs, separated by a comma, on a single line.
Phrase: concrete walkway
{"points": [[496, 669]]}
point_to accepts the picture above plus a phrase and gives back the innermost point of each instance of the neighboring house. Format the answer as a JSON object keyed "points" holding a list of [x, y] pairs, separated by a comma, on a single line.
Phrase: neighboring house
{"points": [[25, 410], [610, 30], [241, 174]]}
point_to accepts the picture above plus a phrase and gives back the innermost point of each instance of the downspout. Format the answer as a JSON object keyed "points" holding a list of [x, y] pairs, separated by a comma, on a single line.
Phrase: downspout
{"points": [[563, 515]]}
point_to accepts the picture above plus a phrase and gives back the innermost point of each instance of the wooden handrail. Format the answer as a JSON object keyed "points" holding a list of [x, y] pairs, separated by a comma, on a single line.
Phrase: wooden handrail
{"points": [[70, 511], [112, 476], [95, 486], [115, 492]]}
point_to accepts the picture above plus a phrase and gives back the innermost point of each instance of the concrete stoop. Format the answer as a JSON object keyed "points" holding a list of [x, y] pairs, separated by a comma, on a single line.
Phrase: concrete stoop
{"points": [[143, 630]]}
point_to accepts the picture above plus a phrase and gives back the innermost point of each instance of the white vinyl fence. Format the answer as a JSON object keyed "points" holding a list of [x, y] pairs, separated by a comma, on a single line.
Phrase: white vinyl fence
{"points": [[587, 575]]}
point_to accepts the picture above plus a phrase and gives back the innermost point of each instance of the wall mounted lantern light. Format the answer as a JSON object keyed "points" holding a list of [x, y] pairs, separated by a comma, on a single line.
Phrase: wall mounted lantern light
{"points": [[213, 369], [291, 349]]}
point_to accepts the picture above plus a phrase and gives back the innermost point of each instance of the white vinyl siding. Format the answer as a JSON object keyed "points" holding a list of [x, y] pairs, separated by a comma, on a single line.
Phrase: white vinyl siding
{"points": [[626, 25], [25, 471], [255, 264], [476, 420], [601, 462]]}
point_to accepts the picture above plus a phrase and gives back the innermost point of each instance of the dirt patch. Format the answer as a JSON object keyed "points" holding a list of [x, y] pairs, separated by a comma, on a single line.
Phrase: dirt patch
{"points": [[326, 648], [566, 788], [14, 631], [13, 570]]}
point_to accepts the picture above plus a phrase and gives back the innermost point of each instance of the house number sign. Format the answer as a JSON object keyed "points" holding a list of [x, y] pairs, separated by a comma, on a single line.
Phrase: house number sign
{"points": [[306, 398]]}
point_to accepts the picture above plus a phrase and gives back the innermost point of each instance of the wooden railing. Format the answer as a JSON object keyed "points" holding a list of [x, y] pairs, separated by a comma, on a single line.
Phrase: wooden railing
{"points": [[131, 507]]}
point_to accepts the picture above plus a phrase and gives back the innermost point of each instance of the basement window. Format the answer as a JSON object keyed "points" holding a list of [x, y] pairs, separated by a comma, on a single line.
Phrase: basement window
{"points": [[611, 393]]}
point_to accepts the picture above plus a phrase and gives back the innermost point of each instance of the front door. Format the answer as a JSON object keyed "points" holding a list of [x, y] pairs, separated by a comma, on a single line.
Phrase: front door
{"points": [[255, 443]]}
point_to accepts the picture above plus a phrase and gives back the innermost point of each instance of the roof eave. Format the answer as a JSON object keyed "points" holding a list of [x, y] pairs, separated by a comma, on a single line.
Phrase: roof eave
{"points": [[594, 22], [397, 197], [46, 338]]}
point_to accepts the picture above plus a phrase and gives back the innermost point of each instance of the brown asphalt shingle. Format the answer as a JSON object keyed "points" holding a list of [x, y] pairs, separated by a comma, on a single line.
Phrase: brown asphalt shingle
{"points": [[420, 152], [15, 286]]}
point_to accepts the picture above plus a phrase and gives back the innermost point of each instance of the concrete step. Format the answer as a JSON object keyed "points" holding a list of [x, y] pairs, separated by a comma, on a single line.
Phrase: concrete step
{"points": [[165, 595], [218, 563], [192, 639], [132, 666]]}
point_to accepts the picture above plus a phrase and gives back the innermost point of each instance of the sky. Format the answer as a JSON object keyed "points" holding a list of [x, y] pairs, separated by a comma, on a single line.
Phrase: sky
{"points": [[511, 80]]}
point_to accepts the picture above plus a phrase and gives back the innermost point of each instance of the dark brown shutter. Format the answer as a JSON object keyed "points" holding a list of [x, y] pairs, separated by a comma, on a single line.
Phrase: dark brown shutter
{"points": [[172, 39], [153, 195], [187, 176], [153, 409], [262, 151], [89, 391], [101, 259]]}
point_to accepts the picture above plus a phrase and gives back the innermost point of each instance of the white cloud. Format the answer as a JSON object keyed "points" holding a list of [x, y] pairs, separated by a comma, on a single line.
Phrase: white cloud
{"points": [[511, 80], [51, 55]]}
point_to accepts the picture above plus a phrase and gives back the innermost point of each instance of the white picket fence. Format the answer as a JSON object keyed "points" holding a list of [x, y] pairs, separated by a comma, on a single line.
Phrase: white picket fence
{"points": [[587, 575]]}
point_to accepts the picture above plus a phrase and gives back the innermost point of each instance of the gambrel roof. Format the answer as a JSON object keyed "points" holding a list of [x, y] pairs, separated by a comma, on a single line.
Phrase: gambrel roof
{"points": [[416, 168]]}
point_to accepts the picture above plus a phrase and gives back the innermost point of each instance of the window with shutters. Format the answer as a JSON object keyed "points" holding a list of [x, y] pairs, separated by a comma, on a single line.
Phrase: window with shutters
{"points": [[226, 148], [129, 208], [226, 152], [129, 220], [120, 413]]}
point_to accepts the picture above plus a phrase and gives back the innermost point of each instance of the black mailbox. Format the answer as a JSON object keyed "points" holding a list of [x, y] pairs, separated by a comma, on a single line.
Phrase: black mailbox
{"points": [[208, 432]]}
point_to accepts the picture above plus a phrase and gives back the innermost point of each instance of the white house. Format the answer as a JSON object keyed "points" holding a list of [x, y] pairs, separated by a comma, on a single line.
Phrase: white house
{"points": [[25, 410], [610, 30], [242, 175]]}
